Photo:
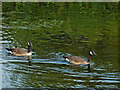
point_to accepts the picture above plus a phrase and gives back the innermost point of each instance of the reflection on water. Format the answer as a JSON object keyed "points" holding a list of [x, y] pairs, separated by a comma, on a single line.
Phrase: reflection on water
{"points": [[54, 36], [26, 72]]}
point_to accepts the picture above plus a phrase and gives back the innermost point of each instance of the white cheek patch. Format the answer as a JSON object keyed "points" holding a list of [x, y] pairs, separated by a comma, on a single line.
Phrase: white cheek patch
{"points": [[28, 43], [91, 53], [67, 59]]}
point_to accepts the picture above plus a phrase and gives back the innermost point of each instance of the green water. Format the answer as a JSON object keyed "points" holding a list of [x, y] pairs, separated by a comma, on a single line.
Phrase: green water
{"points": [[57, 29]]}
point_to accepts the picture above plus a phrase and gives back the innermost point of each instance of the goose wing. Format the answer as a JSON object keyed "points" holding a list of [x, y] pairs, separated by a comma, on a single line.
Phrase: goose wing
{"points": [[74, 59], [17, 50], [20, 51]]}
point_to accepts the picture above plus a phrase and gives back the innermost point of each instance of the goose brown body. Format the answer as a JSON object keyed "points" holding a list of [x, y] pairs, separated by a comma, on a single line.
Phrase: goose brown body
{"points": [[75, 60], [78, 60], [20, 51]]}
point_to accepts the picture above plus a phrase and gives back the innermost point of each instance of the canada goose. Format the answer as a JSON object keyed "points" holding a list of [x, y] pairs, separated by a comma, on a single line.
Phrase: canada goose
{"points": [[78, 60], [21, 51]]}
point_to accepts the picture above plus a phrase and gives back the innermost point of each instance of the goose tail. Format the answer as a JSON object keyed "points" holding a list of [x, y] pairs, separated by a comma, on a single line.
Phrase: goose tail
{"points": [[9, 49], [65, 56]]}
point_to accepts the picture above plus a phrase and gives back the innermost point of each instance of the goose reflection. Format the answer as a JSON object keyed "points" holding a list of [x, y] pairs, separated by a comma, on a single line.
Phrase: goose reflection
{"points": [[29, 60], [89, 68]]}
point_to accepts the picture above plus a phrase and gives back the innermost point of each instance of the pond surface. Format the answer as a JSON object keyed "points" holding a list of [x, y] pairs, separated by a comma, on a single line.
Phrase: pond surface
{"points": [[54, 34]]}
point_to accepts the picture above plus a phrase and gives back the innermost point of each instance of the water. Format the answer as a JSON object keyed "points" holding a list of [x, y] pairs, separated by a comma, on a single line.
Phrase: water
{"points": [[53, 36]]}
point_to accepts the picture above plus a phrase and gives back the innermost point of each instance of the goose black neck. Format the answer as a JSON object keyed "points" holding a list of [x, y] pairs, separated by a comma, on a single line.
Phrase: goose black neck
{"points": [[89, 58], [29, 49]]}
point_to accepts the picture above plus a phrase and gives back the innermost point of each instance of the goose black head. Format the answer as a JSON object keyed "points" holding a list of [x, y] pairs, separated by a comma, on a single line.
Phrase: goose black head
{"points": [[92, 53], [30, 44]]}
